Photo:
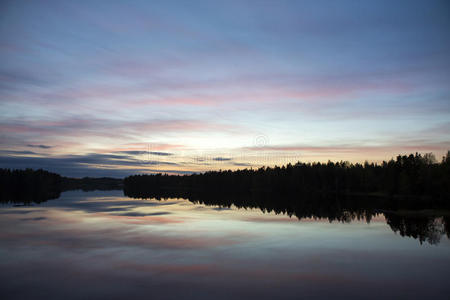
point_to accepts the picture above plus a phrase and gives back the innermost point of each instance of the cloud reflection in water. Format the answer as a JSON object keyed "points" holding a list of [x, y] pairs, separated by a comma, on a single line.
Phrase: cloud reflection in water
{"points": [[104, 245]]}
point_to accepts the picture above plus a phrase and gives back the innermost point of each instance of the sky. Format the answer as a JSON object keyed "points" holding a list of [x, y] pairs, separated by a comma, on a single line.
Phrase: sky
{"points": [[113, 88]]}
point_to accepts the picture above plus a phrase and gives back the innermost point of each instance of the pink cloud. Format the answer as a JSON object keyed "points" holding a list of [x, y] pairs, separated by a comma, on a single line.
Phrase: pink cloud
{"points": [[111, 128]]}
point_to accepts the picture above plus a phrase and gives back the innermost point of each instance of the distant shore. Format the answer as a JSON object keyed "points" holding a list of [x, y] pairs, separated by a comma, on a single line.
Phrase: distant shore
{"points": [[412, 180]]}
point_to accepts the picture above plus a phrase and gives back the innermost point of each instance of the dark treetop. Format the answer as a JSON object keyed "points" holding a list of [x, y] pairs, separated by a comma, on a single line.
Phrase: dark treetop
{"points": [[414, 177]]}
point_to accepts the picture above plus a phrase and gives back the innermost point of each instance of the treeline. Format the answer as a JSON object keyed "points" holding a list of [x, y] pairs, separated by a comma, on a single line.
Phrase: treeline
{"points": [[425, 226], [408, 176], [401, 213], [30, 185]]}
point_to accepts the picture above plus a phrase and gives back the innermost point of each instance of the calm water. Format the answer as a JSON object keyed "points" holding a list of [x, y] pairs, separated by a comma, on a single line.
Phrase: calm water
{"points": [[102, 245]]}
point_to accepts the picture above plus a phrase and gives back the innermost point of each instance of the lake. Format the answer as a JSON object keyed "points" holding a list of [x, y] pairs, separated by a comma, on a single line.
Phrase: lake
{"points": [[104, 245]]}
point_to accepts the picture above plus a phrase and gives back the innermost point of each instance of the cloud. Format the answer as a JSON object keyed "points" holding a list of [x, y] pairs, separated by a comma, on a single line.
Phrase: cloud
{"points": [[92, 164], [222, 159], [18, 212], [160, 153], [136, 152], [39, 146], [244, 69], [34, 219], [97, 128], [14, 152], [16, 79]]}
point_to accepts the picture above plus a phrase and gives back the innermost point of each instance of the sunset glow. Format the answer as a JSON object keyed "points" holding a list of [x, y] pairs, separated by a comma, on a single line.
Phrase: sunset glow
{"points": [[116, 88]]}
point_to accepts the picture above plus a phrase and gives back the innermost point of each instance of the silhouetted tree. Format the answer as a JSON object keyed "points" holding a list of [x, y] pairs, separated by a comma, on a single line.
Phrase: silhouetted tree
{"points": [[408, 178]]}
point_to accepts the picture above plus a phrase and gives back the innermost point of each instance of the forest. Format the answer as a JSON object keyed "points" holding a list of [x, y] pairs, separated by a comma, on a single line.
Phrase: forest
{"points": [[411, 192], [412, 179], [29, 185], [415, 178], [338, 191], [39, 185]]}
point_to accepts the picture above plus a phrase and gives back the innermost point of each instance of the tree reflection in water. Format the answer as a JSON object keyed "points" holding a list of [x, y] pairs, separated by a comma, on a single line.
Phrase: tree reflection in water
{"points": [[424, 228], [418, 222]]}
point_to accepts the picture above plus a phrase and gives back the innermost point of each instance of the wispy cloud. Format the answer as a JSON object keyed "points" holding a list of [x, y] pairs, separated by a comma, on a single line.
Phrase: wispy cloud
{"points": [[93, 163], [73, 81], [39, 146], [221, 159]]}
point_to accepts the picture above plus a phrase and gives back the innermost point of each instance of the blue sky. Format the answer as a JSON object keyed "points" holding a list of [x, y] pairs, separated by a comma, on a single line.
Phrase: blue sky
{"points": [[90, 88]]}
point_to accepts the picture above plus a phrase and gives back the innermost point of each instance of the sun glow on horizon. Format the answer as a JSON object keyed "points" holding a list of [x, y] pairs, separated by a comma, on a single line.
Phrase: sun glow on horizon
{"points": [[221, 85]]}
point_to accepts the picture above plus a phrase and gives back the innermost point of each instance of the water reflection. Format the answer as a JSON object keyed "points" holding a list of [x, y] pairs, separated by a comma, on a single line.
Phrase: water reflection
{"points": [[102, 245], [425, 228], [426, 225]]}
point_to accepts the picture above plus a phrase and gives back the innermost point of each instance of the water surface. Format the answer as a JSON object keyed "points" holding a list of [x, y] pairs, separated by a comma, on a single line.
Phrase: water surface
{"points": [[102, 245]]}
